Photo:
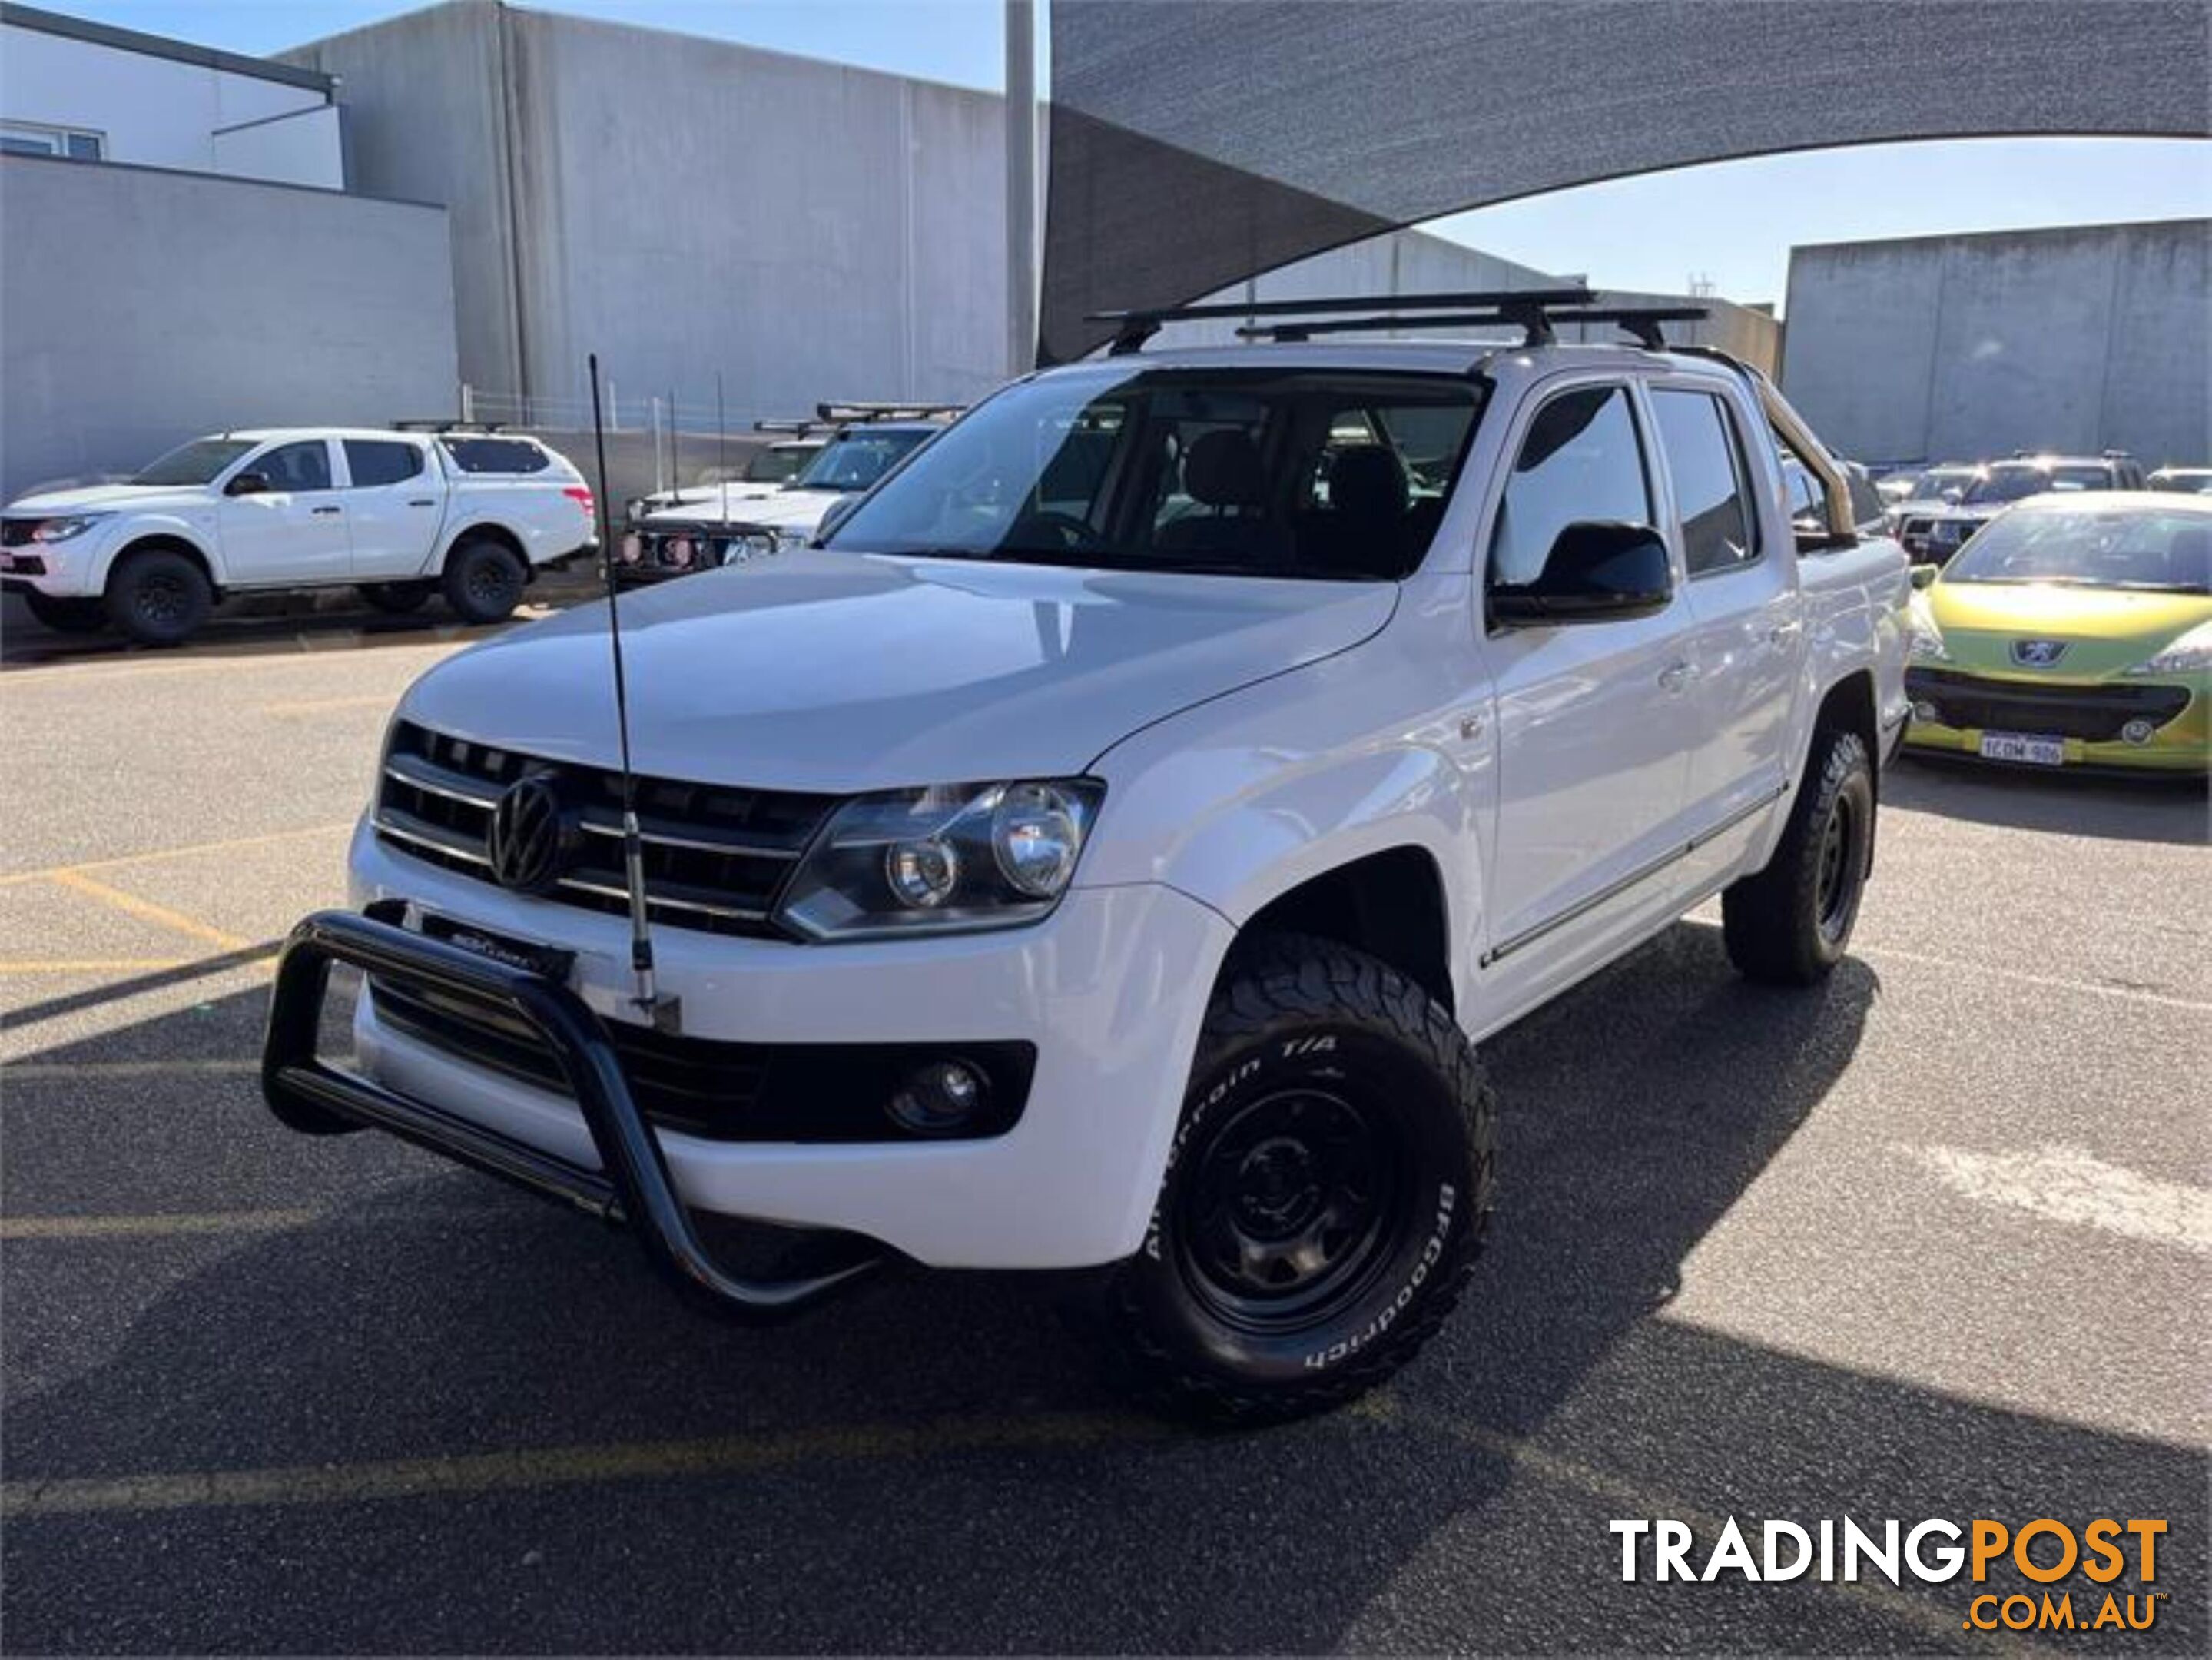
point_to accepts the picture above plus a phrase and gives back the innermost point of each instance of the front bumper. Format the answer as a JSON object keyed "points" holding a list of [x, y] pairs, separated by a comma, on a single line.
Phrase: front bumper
{"points": [[60, 571], [2085, 717], [1110, 990]]}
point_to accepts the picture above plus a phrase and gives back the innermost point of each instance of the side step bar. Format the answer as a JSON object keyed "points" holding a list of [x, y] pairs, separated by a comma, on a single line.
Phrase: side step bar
{"points": [[633, 1185]]}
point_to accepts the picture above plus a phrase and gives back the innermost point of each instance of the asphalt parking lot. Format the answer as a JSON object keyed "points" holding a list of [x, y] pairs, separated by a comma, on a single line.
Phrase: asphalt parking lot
{"points": [[1931, 1242]]}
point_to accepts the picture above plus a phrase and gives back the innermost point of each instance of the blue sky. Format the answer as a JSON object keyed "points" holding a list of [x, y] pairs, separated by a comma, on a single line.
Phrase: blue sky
{"points": [[1733, 221]]}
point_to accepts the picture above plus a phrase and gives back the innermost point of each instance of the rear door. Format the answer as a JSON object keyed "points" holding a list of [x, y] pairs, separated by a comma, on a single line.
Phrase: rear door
{"points": [[1595, 723], [293, 533], [394, 502], [1745, 613]]}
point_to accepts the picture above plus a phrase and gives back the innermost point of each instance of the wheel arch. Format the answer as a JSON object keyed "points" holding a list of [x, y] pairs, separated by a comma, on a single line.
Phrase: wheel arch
{"points": [[162, 540], [1390, 903], [1849, 705], [488, 530]]}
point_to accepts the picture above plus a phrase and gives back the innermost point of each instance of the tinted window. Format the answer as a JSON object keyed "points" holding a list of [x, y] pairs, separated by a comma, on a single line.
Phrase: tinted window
{"points": [[195, 463], [1719, 531], [496, 455], [305, 467], [775, 464], [376, 461], [1580, 461]]}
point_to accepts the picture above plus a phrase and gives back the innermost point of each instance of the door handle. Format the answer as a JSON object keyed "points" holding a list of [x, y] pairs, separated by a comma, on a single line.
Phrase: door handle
{"points": [[320, 511], [1780, 633], [1675, 676], [422, 501]]}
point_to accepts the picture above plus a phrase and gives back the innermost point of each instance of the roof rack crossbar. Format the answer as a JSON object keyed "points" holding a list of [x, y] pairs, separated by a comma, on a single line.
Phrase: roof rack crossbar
{"points": [[438, 424], [1537, 323], [1133, 328], [841, 414]]}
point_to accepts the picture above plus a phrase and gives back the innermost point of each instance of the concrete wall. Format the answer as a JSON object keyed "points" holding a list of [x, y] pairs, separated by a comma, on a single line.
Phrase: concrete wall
{"points": [[158, 112], [684, 206], [143, 307], [1966, 347]]}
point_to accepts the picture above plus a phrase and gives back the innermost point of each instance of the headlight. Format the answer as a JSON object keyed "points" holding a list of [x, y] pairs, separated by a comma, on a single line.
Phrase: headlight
{"points": [[2186, 655], [951, 859], [60, 530], [787, 540], [1925, 644]]}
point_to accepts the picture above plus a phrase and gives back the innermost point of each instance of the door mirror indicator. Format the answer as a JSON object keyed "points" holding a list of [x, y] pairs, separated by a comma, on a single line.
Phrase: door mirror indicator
{"points": [[248, 483], [1597, 571]]}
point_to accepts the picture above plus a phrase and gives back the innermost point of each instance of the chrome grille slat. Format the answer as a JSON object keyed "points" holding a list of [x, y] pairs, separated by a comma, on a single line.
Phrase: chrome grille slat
{"points": [[660, 838], [717, 857]]}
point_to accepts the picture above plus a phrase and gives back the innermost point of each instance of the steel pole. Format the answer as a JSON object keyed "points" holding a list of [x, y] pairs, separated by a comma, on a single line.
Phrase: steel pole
{"points": [[1021, 187]]}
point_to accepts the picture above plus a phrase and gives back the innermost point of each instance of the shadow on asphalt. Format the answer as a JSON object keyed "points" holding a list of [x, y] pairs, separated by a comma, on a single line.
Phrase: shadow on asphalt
{"points": [[439, 1314], [2107, 805]]}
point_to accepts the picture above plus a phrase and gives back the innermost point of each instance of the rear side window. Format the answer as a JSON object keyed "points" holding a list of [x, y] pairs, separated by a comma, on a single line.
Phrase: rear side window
{"points": [[1581, 460], [378, 461], [296, 466], [496, 455], [1720, 532]]}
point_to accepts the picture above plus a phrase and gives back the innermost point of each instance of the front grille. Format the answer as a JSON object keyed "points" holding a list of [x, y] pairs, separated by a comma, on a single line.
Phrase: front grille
{"points": [[716, 859], [724, 1091], [2092, 713]]}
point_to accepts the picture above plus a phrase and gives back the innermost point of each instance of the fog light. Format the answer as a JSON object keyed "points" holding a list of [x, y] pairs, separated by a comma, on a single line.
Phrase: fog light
{"points": [[1924, 712], [940, 1099], [633, 549], [2137, 732]]}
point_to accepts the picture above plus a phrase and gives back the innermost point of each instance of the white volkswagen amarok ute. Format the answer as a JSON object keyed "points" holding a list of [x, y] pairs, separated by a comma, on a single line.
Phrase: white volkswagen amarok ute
{"points": [[399, 514], [1111, 847]]}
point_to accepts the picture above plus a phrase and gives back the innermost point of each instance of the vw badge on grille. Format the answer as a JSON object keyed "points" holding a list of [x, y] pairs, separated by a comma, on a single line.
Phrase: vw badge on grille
{"points": [[2038, 653], [525, 837]]}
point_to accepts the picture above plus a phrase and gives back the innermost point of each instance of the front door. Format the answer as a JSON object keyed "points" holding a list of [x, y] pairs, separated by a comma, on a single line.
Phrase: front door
{"points": [[393, 502], [293, 533], [1595, 720]]}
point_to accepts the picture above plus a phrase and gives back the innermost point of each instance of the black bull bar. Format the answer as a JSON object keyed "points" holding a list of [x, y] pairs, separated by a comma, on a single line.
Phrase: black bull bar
{"points": [[632, 1185]]}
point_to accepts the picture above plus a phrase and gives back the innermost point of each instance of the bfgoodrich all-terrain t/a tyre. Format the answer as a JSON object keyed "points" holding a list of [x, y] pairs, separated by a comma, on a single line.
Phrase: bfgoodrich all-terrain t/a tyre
{"points": [[1790, 924], [1326, 1193]]}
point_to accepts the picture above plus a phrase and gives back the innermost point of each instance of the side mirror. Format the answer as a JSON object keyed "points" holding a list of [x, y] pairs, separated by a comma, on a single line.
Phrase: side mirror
{"points": [[1924, 576], [1598, 571], [248, 483], [840, 511]]}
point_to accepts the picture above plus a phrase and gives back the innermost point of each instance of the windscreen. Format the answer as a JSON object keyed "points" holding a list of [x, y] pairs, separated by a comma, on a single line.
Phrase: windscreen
{"points": [[1262, 473], [2120, 547], [195, 463], [856, 460], [776, 464], [2006, 485]]}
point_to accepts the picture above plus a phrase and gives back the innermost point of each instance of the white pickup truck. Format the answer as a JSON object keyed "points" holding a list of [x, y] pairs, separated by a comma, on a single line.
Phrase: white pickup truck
{"points": [[399, 514], [1111, 847]]}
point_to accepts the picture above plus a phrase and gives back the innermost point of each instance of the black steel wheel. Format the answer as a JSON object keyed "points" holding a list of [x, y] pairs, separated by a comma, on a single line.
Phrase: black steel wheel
{"points": [[1327, 1191], [158, 596], [1790, 924], [483, 580]]}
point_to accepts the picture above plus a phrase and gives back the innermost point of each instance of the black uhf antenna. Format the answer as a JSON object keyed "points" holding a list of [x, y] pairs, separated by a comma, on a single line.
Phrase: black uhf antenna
{"points": [[722, 442], [663, 1014]]}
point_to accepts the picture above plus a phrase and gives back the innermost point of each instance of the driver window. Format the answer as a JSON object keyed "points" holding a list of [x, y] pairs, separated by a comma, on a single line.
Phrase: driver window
{"points": [[1581, 460], [305, 467]]}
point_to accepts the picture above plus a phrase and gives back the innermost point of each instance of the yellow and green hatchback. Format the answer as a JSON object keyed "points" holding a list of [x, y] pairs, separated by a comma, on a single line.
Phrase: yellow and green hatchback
{"points": [[2074, 630]]}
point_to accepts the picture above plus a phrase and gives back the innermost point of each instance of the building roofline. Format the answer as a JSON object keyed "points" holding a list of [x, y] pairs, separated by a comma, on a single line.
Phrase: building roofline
{"points": [[2098, 228], [160, 46]]}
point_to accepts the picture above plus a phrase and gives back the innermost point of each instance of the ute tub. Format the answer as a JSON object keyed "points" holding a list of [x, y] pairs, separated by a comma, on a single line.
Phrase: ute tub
{"points": [[1111, 989]]}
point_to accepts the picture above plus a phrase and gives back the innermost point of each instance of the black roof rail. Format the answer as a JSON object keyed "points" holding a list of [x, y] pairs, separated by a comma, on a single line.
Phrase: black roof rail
{"points": [[1538, 322], [849, 414], [442, 427], [1133, 328]]}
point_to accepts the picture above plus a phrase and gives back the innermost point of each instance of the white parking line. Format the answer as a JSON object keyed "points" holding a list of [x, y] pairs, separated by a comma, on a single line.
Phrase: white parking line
{"points": [[2052, 982], [2070, 1184]]}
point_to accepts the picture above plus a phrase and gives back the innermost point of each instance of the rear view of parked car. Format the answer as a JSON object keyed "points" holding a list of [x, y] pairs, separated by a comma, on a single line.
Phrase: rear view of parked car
{"points": [[399, 514]]}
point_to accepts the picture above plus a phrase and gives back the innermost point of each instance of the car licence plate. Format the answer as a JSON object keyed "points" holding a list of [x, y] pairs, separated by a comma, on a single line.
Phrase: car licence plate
{"points": [[2021, 747]]}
